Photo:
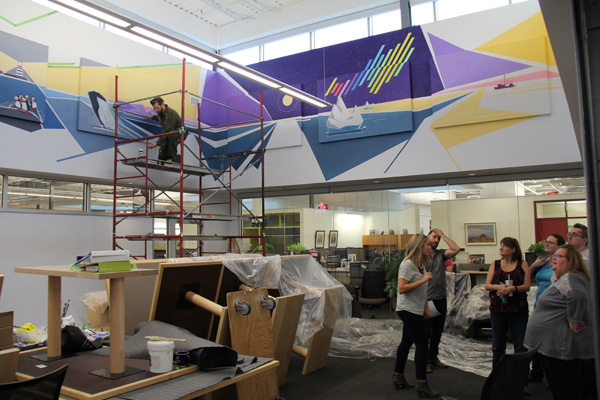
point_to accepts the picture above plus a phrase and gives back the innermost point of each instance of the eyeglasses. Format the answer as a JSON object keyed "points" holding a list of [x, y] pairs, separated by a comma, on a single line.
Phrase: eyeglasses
{"points": [[573, 234], [548, 242], [558, 256]]}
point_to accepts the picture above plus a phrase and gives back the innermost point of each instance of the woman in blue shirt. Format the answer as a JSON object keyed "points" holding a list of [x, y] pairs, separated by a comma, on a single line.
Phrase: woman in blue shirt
{"points": [[541, 270]]}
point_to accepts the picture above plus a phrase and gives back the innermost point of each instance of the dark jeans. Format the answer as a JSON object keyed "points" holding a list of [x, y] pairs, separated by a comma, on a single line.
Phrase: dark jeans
{"points": [[413, 331], [569, 379], [500, 324], [435, 327]]}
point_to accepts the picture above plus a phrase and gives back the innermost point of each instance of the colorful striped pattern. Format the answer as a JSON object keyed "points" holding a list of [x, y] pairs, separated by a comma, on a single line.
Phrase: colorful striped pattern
{"points": [[378, 70]]}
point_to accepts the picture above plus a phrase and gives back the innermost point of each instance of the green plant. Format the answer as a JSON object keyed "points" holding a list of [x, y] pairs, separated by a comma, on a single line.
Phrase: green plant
{"points": [[268, 246], [390, 262], [537, 248], [296, 247]]}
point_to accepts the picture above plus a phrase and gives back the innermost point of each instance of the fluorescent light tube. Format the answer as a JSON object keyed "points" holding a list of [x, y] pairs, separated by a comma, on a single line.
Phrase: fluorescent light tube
{"points": [[302, 97], [176, 45], [94, 12], [248, 74]]}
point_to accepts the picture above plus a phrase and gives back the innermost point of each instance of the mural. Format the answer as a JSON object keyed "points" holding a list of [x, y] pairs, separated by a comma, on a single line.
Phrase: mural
{"points": [[432, 99]]}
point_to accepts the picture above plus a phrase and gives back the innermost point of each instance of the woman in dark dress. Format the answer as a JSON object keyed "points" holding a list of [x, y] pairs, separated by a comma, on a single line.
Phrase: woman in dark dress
{"points": [[508, 281]]}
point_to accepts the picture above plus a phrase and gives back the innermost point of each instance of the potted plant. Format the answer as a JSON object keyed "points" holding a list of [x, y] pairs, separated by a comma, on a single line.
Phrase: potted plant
{"points": [[390, 262], [534, 251], [269, 248], [296, 248]]}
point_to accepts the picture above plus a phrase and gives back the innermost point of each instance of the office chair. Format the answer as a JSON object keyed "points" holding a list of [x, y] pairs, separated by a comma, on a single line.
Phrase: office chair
{"points": [[45, 387], [372, 288], [507, 379]]}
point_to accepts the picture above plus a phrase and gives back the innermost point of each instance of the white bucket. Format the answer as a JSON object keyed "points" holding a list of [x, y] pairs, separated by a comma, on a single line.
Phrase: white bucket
{"points": [[161, 356]]}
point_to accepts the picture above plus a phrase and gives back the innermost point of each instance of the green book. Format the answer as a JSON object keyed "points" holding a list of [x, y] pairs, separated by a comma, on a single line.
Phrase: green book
{"points": [[109, 266]]}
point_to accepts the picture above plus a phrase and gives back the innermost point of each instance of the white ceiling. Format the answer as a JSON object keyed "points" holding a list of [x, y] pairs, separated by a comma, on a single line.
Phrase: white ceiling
{"points": [[223, 24]]}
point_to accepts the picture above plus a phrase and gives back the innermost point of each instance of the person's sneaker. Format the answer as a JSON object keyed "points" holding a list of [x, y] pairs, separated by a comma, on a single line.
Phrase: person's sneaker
{"points": [[437, 363]]}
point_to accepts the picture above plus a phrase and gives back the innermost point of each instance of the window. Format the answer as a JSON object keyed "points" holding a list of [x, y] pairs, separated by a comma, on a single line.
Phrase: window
{"points": [[44, 194], [246, 56], [287, 46], [453, 8], [341, 33], [67, 196], [387, 22], [423, 13], [128, 199], [169, 201]]}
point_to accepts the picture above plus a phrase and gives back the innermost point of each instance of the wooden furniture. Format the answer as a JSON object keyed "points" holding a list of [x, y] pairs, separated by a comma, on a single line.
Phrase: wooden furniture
{"points": [[79, 384], [6, 330], [8, 365], [250, 323], [284, 323], [117, 309], [383, 242], [318, 347]]}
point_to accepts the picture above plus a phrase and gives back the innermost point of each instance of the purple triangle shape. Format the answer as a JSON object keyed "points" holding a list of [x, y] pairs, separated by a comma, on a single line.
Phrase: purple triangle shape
{"points": [[458, 66]]}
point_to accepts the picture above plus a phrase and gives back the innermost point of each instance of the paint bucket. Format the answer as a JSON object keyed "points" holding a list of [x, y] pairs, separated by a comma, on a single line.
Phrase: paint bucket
{"points": [[160, 356]]}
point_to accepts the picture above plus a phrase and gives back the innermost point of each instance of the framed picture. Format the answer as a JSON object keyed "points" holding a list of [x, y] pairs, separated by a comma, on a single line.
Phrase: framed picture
{"points": [[481, 234], [333, 239], [319, 239]]}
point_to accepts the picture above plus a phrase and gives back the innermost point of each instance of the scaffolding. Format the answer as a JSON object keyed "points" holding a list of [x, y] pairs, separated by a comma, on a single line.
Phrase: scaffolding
{"points": [[145, 169]]}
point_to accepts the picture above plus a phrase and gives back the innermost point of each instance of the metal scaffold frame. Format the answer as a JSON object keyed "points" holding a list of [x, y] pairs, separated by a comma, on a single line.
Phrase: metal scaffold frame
{"points": [[143, 164]]}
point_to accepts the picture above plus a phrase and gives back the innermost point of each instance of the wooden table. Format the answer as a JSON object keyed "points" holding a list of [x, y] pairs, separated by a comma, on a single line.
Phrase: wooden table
{"points": [[116, 316]]}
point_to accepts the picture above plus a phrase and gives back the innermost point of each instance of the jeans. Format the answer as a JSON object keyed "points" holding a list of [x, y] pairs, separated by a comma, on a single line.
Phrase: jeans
{"points": [[500, 324], [413, 331], [435, 327]]}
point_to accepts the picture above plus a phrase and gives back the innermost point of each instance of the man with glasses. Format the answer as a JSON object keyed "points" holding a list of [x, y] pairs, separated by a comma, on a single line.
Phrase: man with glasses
{"points": [[436, 293], [578, 238]]}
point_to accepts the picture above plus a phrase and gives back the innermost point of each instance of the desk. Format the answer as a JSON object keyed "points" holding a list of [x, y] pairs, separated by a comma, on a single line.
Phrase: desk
{"points": [[340, 275], [259, 383], [116, 301]]}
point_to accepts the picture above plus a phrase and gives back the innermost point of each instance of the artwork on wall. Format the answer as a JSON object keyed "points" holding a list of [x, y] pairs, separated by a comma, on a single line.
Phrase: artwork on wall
{"points": [[333, 239], [483, 234], [319, 239]]}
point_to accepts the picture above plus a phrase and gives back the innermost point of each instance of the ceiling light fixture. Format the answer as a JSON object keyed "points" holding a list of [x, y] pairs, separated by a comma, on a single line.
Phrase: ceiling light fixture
{"points": [[141, 27], [93, 12], [172, 43], [248, 74], [300, 96]]}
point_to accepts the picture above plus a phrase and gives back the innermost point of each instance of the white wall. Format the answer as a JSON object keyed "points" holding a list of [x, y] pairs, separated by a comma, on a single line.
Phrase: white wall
{"points": [[514, 216], [45, 238]]}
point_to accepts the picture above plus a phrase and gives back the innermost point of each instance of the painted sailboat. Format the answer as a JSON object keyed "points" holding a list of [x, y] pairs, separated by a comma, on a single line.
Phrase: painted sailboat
{"points": [[342, 120], [505, 84]]}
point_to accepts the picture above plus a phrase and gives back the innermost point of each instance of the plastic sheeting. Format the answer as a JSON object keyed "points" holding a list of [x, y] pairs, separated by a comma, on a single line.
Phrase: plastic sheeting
{"points": [[293, 275], [380, 338]]}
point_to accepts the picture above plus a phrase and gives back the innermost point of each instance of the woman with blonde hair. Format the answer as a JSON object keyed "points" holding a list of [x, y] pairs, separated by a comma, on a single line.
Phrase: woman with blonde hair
{"points": [[561, 325], [411, 306]]}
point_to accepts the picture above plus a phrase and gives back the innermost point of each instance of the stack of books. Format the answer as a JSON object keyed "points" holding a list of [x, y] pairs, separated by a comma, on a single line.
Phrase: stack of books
{"points": [[104, 261]]}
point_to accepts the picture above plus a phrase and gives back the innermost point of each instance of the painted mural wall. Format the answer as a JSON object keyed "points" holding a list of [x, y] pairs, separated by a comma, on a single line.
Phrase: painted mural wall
{"points": [[433, 99]]}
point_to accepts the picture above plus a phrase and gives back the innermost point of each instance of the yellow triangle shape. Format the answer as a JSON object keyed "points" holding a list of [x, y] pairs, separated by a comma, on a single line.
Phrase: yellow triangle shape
{"points": [[512, 44], [468, 121]]}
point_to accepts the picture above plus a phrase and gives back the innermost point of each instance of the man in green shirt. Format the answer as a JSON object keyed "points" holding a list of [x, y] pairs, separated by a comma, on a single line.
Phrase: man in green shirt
{"points": [[169, 121]]}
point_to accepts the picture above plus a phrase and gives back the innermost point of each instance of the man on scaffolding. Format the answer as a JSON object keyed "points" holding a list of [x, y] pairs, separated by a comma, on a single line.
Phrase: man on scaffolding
{"points": [[169, 121]]}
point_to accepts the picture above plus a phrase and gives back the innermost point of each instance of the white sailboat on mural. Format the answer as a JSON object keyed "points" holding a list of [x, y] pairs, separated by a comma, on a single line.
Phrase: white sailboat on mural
{"points": [[341, 120]]}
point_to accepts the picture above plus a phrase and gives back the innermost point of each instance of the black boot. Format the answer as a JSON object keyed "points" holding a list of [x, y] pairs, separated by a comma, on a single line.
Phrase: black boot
{"points": [[424, 390], [400, 382]]}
